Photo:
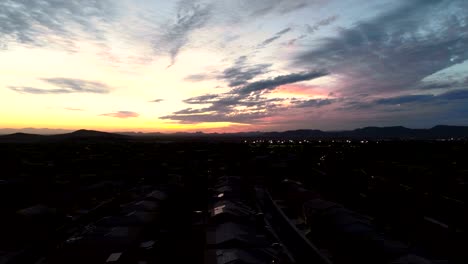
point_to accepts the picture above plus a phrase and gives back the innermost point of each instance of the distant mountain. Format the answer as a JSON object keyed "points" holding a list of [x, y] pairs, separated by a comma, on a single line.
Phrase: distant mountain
{"points": [[452, 131], [403, 132], [395, 132], [83, 133], [80, 135], [385, 132], [302, 133], [138, 134], [30, 130], [22, 137]]}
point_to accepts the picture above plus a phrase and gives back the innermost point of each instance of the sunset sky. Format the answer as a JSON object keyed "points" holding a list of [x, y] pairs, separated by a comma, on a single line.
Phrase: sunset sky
{"points": [[232, 65]]}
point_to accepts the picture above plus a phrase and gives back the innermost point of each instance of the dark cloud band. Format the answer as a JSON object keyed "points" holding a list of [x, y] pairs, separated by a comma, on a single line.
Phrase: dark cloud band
{"points": [[65, 86]]}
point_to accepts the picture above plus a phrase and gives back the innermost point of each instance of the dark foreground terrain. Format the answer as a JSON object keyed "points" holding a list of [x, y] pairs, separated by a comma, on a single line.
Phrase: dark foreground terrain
{"points": [[98, 198]]}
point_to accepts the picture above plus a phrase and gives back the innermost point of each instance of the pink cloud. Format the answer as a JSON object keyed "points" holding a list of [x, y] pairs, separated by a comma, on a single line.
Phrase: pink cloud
{"points": [[298, 89], [122, 114]]}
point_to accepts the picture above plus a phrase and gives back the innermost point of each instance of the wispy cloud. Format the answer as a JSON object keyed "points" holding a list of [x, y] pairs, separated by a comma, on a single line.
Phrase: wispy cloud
{"points": [[397, 52], [157, 101], [32, 22], [202, 99], [236, 75], [454, 95], [405, 99], [273, 83], [315, 103], [65, 86], [241, 72], [33, 90], [190, 16], [197, 77], [264, 7], [445, 85], [324, 22], [413, 100], [78, 86], [229, 108], [394, 51], [275, 37], [244, 104], [122, 114]]}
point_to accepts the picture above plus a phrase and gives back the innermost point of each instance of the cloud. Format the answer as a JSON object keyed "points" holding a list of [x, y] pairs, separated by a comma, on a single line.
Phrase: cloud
{"points": [[240, 73], [405, 99], [271, 84], [234, 118], [446, 84], [203, 99], [78, 86], [33, 22], [304, 90], [454, 95], [65, 86], [73, 109], [316, 103], [230, 108], [191, 15], [197, 77], [264, 7], [236, 75], [395, 50], [244, 104], [408, 51], [275, 37], [268, 41], [32, 90], [227, 108], [415, 100], [284, 31], [157, 101], [122, 114], [437, 85], [190, 110], [324, 22]]}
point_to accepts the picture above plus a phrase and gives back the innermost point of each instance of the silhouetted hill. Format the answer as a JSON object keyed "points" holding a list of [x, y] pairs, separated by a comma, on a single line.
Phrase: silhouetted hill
{"points": [[21, 137], [452, 131], [83, 133], [385, 132], [36, 131], [302, 133], [395, 132], [436, 132], [80, 135], [139, 134]]}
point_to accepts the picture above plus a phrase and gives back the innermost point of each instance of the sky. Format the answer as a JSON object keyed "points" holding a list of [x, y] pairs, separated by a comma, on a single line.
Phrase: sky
{"points": [[232, 65]]}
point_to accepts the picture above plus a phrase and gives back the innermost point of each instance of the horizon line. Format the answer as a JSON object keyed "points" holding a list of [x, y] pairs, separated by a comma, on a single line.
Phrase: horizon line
{"points": [[68, 131]]}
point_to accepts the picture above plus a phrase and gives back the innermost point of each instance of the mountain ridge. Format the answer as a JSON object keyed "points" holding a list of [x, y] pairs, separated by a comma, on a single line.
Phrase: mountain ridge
{"points": [[371, 132]]}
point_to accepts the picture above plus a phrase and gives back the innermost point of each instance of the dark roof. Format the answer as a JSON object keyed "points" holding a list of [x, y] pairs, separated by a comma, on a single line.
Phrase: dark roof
{"points": [[232, 234], [231, 208], [157, 195], [240, 256], [132, 219], [319, 204], [144, 206], [228, 180]]}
